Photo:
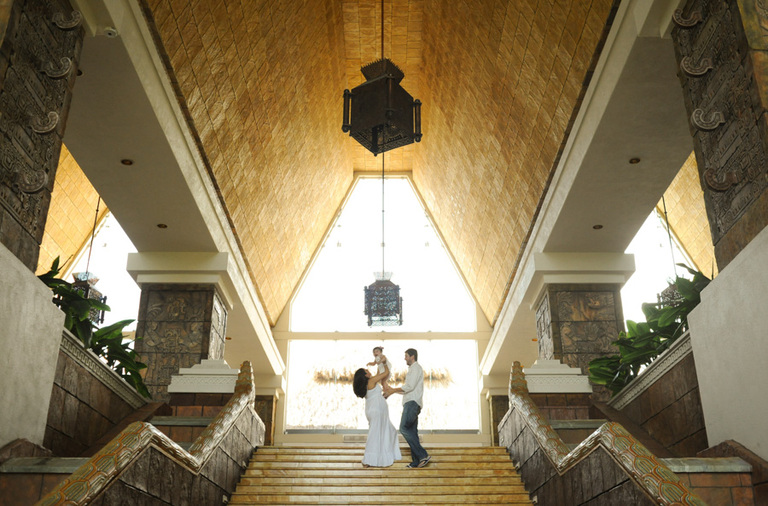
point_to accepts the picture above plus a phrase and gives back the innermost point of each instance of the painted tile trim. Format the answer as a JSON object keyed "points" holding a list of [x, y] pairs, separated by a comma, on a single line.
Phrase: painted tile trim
{"points": [[99, 471], [655, 478]]}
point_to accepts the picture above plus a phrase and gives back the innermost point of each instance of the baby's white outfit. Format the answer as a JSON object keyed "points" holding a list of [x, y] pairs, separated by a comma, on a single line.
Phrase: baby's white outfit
{"points": [[381, 367]]}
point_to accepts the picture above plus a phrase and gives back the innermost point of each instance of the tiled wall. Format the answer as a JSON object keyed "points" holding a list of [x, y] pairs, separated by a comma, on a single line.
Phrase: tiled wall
{"points": [[687, 216], [670, 410], [597, 478], [71, 214], [82, 409], [154, 478]]}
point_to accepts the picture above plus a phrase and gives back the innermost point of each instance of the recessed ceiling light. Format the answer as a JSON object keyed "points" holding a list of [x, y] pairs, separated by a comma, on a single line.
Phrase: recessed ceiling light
{"points": [[162, 225], [597, 227], [126, 161], [634, 161]]}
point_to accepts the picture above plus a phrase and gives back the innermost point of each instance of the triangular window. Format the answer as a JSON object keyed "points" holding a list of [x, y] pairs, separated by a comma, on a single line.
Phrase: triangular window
{"points": [[331, 297]]}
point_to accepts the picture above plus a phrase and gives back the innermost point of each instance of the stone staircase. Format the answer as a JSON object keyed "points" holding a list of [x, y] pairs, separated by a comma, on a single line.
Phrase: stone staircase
{"points": [[335, 475]]}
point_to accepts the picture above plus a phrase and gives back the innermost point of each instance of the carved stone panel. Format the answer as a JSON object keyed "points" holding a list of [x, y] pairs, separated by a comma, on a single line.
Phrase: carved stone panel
{"points": [[577, 323], [544, 330], [179, 326], [38, 60], [720, 47]]}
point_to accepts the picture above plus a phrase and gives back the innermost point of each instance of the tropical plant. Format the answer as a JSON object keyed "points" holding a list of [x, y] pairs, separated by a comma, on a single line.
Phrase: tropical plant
{"points": [[644, 341], [105, 342]]}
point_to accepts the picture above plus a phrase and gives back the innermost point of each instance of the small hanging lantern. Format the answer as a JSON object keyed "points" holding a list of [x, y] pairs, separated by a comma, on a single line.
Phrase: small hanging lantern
{"points": [[383, 304], [380, 114]]}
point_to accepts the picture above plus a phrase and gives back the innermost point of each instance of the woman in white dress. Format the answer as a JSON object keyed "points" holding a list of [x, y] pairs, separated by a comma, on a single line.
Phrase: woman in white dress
{"points": [[381, 447]]}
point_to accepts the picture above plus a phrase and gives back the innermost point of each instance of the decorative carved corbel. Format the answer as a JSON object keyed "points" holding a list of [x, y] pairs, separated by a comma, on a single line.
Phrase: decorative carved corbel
{"points": [[57, 72], [44, 126], [29, 180], [730, 179], [75, 18], [715, 119], [687, 66], [689, 22]]}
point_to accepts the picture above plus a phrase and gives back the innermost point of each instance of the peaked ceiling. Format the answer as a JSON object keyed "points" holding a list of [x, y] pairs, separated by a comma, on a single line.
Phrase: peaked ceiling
{"points": [[262, 82]]}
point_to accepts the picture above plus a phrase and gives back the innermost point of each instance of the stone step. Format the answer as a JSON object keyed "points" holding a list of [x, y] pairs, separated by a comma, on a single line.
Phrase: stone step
{"points": [[411, 497], [32, 465], [286, 465], [398, 470], [364, 479], [357, 457], [335, 475], [359, 450], [181, 421], [359, 489]]}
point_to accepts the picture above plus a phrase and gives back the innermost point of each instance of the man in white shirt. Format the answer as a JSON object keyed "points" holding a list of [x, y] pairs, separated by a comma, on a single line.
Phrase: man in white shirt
{"points": [[413, 393]]}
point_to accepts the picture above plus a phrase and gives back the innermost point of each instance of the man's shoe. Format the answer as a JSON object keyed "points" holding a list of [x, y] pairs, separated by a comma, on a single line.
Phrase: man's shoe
{"points": [[423, 462], [412, 466]]}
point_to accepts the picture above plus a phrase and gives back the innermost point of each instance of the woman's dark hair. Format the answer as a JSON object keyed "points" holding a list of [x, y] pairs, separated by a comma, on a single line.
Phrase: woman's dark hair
{"points": [[360, 383]]}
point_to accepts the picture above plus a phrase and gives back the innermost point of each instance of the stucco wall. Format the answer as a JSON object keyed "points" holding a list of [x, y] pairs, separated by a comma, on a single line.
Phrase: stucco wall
{"points": [[30, 333], [730, 346]]}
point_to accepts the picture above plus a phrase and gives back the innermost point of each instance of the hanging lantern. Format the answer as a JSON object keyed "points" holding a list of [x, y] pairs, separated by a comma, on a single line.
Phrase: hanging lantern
{"points": [[380, 114], [383, 304]]}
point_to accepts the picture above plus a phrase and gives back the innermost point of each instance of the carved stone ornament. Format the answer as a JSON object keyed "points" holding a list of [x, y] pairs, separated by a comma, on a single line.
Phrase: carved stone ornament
{"points": [[704, 66], [716, 118], [42, 126], [74, 20], [689, 22], [30, 180], [58, 71], [730, 178]]}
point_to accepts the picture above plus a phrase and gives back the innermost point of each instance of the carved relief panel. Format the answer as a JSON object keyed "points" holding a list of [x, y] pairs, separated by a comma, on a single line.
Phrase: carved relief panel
{"points": [[577, 323], [38, 61], [721, 77], [179, 326]]}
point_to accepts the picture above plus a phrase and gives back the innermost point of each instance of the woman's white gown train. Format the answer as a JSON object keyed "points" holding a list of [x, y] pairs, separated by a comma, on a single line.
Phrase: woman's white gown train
{"points": [[382, 447]]}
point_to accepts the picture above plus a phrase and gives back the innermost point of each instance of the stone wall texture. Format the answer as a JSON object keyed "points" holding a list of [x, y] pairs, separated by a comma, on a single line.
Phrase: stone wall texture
{"points": [[81, 411], [670, 410], [155, 478], [723, 57], [179, 325], [38, 64], [597, 479], [577, 323]]}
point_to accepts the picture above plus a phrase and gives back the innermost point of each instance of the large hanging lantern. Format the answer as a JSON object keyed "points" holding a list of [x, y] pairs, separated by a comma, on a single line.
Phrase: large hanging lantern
{"points": [[380, 114], [383, 304]]}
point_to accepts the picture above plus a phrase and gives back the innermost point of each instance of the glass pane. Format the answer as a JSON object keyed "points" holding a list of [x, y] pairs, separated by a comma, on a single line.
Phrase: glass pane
{"points": [[320, 395]]}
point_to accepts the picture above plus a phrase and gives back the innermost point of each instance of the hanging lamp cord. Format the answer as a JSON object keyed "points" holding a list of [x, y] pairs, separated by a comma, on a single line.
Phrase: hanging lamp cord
{"points": [[669, 235], [93, 235], [382, 215]]}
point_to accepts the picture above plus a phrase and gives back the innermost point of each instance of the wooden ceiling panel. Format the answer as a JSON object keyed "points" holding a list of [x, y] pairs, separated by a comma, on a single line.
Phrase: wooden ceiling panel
{"points": [[262, 82], [500, 81]]}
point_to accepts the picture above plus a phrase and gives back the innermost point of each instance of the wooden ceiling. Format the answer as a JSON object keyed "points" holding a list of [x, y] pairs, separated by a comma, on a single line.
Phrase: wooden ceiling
{"points": [[262, 82]]}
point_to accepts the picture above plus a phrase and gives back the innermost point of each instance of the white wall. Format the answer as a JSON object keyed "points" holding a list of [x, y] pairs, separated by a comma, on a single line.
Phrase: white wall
{"points": [[30, 336], [730, 346]]}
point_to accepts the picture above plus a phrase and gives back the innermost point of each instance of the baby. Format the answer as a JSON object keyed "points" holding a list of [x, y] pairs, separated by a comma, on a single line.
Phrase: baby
{"points": [[379, 359]]}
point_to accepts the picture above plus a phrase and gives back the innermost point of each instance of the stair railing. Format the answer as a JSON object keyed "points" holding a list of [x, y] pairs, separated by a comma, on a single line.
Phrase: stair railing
{"points": [[95, 475], [643, 468]]}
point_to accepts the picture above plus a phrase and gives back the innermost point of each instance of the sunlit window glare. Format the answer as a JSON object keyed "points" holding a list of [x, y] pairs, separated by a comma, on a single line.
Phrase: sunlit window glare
{"points": [[655, 266], [320, 395], [434, 296]]}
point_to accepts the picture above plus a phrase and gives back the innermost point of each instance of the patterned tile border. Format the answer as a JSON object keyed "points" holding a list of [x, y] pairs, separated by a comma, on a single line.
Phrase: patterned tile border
{"points": [[658, 481], [93, 477], [89, 361], [658, 368]]}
